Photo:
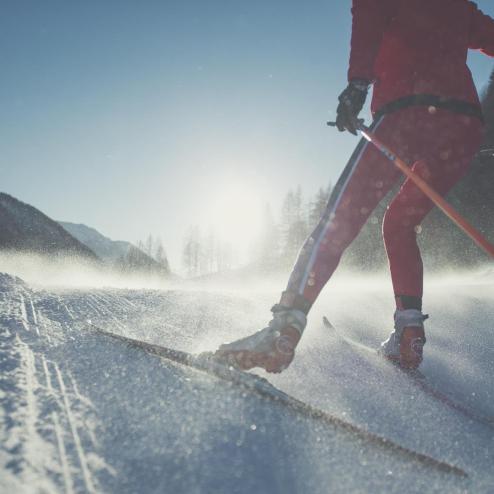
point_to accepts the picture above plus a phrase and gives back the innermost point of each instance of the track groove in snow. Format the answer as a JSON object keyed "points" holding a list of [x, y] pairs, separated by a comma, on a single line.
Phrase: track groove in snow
{"points": [[41, 449], [67, 477], [75, 435]]}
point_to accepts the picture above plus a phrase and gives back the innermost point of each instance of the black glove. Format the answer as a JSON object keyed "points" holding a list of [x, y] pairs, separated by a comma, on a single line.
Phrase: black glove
{"points": [[351, 100]]}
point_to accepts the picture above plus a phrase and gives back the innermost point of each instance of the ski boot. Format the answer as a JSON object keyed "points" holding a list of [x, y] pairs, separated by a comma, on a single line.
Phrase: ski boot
{"points": [[405, 345], [271, 348]]}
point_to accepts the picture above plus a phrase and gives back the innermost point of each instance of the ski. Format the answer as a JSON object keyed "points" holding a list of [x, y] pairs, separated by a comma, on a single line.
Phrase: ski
{"points": [[416, 377], [262, 387], [202, 362]]}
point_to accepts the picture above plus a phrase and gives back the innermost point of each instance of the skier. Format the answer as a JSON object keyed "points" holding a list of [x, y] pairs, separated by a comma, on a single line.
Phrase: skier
{"points": [[425, 107]]}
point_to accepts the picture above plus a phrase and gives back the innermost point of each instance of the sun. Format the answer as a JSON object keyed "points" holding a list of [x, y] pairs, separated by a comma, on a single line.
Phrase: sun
{"points": [[236, 214]]}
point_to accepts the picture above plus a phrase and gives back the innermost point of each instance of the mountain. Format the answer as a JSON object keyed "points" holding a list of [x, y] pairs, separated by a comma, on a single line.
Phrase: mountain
{"points": [[119, 254], [23, 228], [107, 249]]}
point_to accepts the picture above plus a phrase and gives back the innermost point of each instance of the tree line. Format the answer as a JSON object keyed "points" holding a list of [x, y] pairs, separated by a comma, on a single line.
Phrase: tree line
{"points": [[277, 246], [146, 257], [153, 247]]}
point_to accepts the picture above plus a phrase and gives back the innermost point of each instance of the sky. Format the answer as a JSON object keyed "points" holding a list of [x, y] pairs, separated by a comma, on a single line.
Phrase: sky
{"points": [[148, 117]]}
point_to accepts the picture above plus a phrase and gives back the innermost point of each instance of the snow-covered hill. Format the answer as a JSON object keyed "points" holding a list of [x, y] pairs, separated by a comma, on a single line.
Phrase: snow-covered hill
{"points": [[116, 253], [23, 228], [107, 249], [83, 413]]}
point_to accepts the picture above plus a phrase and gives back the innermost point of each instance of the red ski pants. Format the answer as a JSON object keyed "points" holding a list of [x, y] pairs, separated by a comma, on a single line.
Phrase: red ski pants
{"points": [[441, 144]]}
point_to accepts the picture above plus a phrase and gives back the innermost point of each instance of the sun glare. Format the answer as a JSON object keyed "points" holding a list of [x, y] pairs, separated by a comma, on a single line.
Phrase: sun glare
{"points": [[236, 215]]}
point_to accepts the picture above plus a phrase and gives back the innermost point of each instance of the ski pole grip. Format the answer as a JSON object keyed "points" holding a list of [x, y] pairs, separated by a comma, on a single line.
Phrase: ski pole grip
{"points": [[360, 124]]}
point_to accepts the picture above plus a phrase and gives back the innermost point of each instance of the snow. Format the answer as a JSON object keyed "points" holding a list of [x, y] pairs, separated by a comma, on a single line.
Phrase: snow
{"points": [[82, 413]]}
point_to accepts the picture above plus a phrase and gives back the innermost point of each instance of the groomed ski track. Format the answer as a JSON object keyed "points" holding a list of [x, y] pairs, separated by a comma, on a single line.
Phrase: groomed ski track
{"points": [[261, 387], [418, 378], [82, 413]]}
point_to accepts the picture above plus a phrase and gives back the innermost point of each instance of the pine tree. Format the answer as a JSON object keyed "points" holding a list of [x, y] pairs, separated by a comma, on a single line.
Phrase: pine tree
{"points": [[191, 253], [149, 246], [318, 206], [294, 227], [211, 251], [267, 251], [160, 255]]}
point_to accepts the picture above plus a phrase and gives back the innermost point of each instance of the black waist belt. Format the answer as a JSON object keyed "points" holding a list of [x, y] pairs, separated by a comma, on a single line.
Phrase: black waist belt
{"points": [[453, 105]]}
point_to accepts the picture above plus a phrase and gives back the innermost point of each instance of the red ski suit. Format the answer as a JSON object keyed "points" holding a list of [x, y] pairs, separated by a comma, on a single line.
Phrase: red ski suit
{"points": [[409, 47], [426, 108]]}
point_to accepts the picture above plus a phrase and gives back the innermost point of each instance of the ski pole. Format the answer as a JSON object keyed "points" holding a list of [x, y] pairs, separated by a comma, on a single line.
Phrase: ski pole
{"points": [[443, 205]]}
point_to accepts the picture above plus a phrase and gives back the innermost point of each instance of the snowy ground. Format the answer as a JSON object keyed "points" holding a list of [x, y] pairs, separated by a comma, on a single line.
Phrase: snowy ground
{"points": [[81, 413]]}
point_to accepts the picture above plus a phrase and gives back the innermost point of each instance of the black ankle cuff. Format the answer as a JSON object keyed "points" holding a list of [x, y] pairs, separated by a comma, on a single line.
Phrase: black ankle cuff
{"points": [[290, 300], [405, 302]]}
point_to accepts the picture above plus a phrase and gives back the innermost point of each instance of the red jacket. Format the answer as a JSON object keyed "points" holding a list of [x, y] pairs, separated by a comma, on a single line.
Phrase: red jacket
{"points": [[410, 47]]}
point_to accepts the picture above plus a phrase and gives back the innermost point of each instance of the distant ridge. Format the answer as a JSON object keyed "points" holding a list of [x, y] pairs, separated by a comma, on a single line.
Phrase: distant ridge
{"points": [[118, 254], [23, 228], [108, 250]]}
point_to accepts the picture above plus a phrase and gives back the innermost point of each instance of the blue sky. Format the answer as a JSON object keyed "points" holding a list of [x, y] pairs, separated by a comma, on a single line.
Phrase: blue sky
{"points": [[134, 117]]}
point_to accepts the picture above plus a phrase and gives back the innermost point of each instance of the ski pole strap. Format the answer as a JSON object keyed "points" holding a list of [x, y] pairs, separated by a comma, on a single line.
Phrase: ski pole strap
{"points": [[432, 101]]}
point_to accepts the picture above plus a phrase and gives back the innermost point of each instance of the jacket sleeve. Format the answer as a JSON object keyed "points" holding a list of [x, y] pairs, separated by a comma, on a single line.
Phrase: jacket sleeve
{"points": [[370, 19], [481, 32]]}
